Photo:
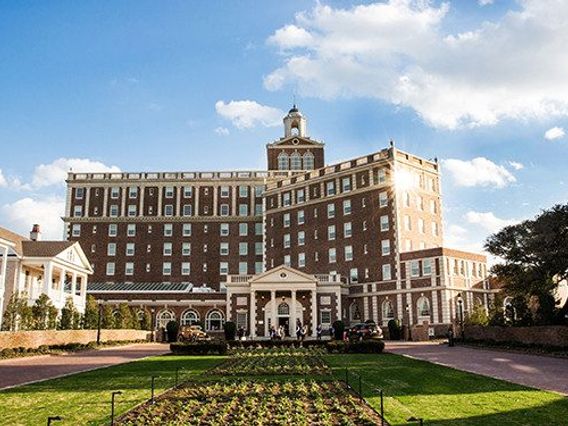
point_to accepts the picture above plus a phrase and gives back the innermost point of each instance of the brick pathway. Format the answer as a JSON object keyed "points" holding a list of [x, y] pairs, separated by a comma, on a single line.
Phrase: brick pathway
{"points": [[19, 371], [530, 370]]}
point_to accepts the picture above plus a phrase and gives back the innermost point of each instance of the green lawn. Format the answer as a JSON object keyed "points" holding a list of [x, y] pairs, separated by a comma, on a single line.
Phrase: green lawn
{"points": [[444, 396], [84, 398]]}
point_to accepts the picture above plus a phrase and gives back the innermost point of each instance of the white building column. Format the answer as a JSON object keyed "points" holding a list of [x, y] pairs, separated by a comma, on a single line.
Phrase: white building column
{"points": [[252, 313], [141, 199], [314, 313], [48, 277], [3, 281], [273, 307], [160, 193], [73, 283], [62, 297], [293, 314]]}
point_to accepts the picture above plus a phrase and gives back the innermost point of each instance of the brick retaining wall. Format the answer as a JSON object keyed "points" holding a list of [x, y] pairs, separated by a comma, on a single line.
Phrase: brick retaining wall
{"points": [[34, 339], [556, 336]]}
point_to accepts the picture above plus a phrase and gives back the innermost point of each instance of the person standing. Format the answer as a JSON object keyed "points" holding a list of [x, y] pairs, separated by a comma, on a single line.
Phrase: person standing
{"points": [[298, 329], [318, 331]]}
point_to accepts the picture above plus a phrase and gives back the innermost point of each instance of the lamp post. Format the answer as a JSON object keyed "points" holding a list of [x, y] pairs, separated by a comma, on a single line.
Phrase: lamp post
{"points": [[460, 316], [420, 421], [407, 335], [53, 419], [153, 334], [99, 321], [112, 406]]}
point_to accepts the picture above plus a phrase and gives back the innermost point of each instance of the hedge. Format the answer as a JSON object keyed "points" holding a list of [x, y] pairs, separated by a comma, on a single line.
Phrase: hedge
{"points": [[371, 346], [199, 348]]}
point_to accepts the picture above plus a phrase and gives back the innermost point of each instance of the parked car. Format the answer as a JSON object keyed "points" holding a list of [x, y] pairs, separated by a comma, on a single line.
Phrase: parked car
{"points": [[192, 333], [364, 331]]}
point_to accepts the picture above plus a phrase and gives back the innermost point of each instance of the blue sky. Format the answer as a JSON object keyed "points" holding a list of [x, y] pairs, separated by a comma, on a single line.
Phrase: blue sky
{"points": [[140, 85]]}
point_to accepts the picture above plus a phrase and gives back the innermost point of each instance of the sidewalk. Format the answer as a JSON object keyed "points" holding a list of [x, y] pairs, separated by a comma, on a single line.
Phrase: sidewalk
{"points": [[20, 371], [540, 372]]}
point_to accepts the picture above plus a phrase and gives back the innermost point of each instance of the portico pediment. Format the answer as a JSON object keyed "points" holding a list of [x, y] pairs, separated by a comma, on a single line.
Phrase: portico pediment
{"points": [[295, 141], [283, 275]]}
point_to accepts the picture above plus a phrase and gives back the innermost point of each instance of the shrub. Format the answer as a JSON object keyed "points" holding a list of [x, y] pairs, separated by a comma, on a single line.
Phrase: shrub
{"points": [[230, 330], [199, 348], [394, 329], [7, 353], [372, 346], [172, 330], [338, 329]]}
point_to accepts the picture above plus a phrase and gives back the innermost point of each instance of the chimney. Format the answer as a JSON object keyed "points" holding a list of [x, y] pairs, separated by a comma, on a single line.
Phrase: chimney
{"points": [[35, 235]]}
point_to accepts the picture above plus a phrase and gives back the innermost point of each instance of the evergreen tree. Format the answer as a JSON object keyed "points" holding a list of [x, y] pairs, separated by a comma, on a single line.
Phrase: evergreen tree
{"points": [[108, 319], [125, 319], [42, 313], [68, 317], [91, 317], [17, 314]]}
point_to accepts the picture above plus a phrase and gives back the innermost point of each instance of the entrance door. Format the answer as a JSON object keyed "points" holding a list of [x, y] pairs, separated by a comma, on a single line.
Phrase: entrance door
{"points": [[284, 322]]}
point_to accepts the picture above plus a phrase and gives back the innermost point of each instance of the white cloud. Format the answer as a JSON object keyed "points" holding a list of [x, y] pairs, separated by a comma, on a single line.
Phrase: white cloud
{"points": [[398, 52], [248, 114], [3, 181], [22, 214], [517, 166], [488, 221], [484, 2], [223, 131], [478, 172], [55, 172], [554, 133]]}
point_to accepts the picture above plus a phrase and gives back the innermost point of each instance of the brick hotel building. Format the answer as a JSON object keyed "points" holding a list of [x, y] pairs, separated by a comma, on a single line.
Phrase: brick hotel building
{"points": [[357, 240]]}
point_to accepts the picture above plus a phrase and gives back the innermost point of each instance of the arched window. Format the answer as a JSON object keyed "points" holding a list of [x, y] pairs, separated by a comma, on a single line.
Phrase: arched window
{"points": [[388, 310], [141, 317], [295, 161], [308, 161], [354, 313], [163, 318], [423, 306], [189, 317], [214, 321], [283, 161], [283, 309]]}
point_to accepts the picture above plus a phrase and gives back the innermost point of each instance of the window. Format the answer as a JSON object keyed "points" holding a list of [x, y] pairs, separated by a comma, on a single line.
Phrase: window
{"points": [[331, 232], [332, 255], [348, 253], [286, 199], [347, 230], [301, 260], [76, 230], [243, 268], [112, 230], [110, 268], [421, 226], [189, 317], [111, 249], [385, 247], [130, 247], [325, 317], [169, 192], [330, 211], [167, 249], [225, 191], [419, 202], [300, 196], [258, 209], [433, 207], [330, 188], [282, 161], [287, 260], [346, 207], [386, 272], [435, 229], [423, 306], [384, 223], [167, 268], [79, 192], [283, 309], [427, 267], [187, 210], [258, 191], [132, 192], [301, 238], [242, 320], [186, 249], [406, 199], [243, 249], [168, 230], [185, 268], [286, 220], [129, 268], [168, 210], [414, 269], [243, 210], [187, 191], [224, 249], [113, 210], [383, 199], [224, 268], [354, 275], [224, 229], [286, 240], [243, 229], [387, 310], [301, 217], [407, 223], [131, 230], [295, 161], [308, 161], [258, 248], [78, 211], [346, 184], [224, 210], [381, 176], [243, 191], [114, 192], [186, 229]]}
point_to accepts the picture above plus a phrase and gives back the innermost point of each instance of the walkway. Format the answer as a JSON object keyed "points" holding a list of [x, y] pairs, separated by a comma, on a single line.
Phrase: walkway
{"points": [[19, 371], [530, 370]]}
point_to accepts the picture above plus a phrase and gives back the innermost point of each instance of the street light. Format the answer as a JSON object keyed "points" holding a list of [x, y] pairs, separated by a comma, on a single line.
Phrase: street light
{"points": [[112, 406], [153, 333], [413, 419], [53, 419]]}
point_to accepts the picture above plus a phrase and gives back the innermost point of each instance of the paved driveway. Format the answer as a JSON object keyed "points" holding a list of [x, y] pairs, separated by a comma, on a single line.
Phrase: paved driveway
{"points": [[19, 371], [531, 370]]}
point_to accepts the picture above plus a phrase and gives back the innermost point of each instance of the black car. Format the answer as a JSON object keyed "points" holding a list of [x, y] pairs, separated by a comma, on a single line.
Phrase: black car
{"points": [[365, 330]]}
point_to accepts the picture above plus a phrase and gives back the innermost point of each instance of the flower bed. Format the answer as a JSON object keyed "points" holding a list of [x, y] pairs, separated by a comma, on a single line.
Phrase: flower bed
{"points": [[275, 343], [213, 347], [288, 361], [246, 403]]}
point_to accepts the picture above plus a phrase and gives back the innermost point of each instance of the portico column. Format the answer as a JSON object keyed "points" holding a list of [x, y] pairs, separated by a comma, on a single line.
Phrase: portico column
{"points": [[273, 306], [73, 284], [252, 313], [48, 268], [62, 286], [293, 314], [3, 281], [314, 313]]}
